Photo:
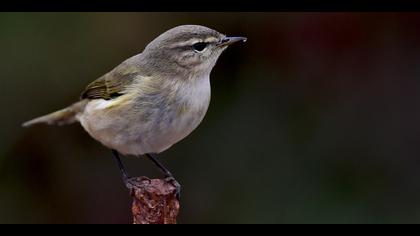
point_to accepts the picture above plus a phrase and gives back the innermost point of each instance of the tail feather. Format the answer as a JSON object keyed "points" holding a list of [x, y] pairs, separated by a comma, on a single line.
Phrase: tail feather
{"points": [[62, 117]]}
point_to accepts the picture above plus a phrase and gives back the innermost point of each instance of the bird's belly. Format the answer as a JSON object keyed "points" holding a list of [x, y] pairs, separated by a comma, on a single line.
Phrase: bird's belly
{"points": [[130, 133], [171, 131]]}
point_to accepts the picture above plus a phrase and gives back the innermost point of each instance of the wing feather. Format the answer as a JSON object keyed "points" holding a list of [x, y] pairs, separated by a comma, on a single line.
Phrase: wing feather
{"points": [[112, 84]]}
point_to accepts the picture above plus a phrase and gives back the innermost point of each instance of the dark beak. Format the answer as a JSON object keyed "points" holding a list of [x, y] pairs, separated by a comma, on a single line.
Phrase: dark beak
{"points": [[231, 40]]}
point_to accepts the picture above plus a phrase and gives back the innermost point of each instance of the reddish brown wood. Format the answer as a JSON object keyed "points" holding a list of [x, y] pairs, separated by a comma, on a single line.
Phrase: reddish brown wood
{"points": [[154, 201]]}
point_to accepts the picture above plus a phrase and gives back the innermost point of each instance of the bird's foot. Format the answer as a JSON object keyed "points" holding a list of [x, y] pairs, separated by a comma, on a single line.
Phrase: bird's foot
{"points": [[175, 183], [134, 182]]}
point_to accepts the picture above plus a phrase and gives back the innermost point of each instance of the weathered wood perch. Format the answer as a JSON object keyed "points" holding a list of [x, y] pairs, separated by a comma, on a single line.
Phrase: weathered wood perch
{"points": [[154, 201]]}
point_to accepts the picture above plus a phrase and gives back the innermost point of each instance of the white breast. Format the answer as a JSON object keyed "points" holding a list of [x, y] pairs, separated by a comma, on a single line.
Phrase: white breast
{"points": [[197, 96]]}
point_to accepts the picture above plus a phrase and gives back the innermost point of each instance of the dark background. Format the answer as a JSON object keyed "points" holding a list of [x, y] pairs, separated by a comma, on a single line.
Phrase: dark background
{"points": [[314, 120]]}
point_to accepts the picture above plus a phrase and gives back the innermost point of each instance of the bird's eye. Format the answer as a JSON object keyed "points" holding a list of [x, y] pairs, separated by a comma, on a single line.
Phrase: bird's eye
{"points": [[199, 47]]}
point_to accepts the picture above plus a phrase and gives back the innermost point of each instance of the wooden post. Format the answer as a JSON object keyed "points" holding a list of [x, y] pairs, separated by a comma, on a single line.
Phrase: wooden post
{"points": [[154, 201]]}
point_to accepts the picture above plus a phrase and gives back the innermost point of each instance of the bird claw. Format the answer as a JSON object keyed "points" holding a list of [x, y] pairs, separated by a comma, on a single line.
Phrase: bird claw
{"points": [[134, 182], [175, 183]]}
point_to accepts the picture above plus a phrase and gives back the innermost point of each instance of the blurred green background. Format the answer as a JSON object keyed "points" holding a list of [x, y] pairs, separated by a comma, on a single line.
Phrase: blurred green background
{"points": [[314, 120]]}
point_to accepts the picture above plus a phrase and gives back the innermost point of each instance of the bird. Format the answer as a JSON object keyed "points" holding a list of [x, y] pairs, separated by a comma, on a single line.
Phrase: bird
{"points": [[152, 100]]}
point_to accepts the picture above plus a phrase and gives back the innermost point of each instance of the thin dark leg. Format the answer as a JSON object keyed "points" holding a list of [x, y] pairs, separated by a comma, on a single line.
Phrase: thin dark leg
{"points": [[120, 165], [168, 175], [165, 171]]}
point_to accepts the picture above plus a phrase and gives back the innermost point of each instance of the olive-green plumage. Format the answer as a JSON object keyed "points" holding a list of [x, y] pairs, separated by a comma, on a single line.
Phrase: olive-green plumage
{"points": [[112, 84]]}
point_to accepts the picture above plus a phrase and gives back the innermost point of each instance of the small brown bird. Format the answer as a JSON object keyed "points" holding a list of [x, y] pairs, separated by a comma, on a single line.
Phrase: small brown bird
{"points": [[152, 100]]}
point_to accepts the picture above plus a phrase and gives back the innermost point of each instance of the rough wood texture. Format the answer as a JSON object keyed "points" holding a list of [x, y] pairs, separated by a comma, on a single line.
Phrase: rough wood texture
{"points": [[154, 201]]}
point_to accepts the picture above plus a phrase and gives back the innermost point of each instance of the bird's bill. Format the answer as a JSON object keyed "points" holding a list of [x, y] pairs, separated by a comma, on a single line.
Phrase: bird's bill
{"points": [[231, 40]]}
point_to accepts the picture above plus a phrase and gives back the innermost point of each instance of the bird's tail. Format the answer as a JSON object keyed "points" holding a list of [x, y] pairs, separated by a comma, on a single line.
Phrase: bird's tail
{"points": [[62, 117]]}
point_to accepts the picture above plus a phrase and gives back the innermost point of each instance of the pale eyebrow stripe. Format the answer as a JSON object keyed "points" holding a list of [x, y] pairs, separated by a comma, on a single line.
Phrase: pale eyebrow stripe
{"points": [[193, 41], [211, 40], [189, 42]]}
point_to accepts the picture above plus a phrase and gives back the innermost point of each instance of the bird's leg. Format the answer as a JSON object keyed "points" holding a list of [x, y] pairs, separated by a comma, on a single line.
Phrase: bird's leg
{"points": [[168, 175], [128, 181], [162, 168], [120, 165]]}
